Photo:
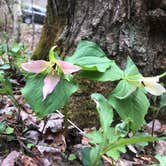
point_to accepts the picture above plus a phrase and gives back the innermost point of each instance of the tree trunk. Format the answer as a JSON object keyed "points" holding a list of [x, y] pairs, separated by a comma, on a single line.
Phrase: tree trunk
{"points": [[121, 27], [17, 13], [11, 14]]}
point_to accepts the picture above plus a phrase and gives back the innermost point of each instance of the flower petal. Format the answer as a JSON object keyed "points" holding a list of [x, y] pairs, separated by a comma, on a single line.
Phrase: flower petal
{"points": [[50, 82], [149, 79], [155, 89], [35, 66], [66, 67]]}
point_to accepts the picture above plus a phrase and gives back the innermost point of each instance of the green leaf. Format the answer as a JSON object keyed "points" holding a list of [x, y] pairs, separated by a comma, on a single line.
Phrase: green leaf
{"points": [[89, 56], [113, 73], [72, 157], [95, 137], [56, 100], [15, 47], [5, 66], [134, 107], [128, 141], [3, 49], [162, 159], [30, 146], [104, 109], [123, 89], [86, 156], [163, 100], [9, 130], [6, 85], [111, 135], [122, 129], [131, 68], [2, 127], [51, 55], [89, 155], [93, 156], [115, 152]]}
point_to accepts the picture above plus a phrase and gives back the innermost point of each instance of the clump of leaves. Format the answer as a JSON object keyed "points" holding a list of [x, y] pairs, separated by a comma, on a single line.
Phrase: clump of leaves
{"points": [[53, 83], [107, 140]]}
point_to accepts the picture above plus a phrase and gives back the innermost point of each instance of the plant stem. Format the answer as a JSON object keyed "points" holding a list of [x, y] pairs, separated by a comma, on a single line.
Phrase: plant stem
{"points": [[162, 75], [65, 121], [99, 153]]}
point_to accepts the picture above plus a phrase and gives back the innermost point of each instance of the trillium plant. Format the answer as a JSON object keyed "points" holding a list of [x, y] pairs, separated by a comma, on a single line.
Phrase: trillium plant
{"points": [[54, 69], [49, 84]]}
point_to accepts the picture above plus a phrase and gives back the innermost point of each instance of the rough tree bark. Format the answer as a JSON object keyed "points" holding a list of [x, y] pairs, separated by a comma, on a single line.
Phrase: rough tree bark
{"points": [[11, 10], [121, 27], [17, 13]]}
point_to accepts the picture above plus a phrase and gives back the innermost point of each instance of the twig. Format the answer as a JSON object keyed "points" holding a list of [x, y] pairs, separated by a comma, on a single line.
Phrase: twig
{"points": [[81, 131]]}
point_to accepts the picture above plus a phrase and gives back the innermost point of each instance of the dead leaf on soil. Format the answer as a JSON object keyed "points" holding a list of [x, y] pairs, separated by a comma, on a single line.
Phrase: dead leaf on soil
{"points": [[54, 123], [10, 159], [161, 147]]}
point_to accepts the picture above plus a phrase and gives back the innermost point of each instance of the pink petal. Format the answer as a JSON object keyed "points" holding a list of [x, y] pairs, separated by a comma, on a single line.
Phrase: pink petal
{"points": [[50, 82], [67, 68], [35, 66]]}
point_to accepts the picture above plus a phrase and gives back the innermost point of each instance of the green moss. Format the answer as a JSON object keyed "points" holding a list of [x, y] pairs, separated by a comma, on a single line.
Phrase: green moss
{"points": [[82, 110], [53, 27]]}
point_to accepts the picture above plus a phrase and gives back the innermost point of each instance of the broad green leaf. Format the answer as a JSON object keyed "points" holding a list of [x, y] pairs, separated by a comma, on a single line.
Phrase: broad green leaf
{"points": [[104, 109], [56, 100], [111, 74], [131, 68], [123, 89], [89, 56], [95, 137], [115, 152], [134, 107], [161, 159], [128, 141]]}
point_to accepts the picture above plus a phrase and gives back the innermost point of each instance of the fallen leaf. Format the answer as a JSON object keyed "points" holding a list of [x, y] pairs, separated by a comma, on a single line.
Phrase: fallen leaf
{"points": [[10, 159], [161, 147]]}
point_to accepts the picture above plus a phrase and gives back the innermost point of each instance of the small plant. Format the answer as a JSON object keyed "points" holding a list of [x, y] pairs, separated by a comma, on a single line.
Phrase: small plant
{"points": [[53, 83], [49, 88], [108, 140]]}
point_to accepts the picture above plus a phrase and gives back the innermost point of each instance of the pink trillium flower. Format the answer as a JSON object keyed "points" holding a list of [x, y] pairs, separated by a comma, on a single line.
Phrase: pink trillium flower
{"points": [[54, 68]]}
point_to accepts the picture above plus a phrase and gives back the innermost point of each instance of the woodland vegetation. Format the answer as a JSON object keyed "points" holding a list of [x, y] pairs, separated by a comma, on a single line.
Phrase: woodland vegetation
{"points": [[86, 88]]}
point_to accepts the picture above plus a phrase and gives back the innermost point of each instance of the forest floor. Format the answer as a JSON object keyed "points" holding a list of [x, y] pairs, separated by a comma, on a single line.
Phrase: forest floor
{"points": [[29, 141]]}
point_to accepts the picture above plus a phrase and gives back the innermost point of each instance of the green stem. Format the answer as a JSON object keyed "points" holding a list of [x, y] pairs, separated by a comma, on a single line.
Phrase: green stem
{"points": [[162, 75], [99, 153]]}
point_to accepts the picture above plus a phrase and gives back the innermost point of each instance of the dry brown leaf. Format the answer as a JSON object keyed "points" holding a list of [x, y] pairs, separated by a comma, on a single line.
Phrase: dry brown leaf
{"points": [[10, 159]]}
